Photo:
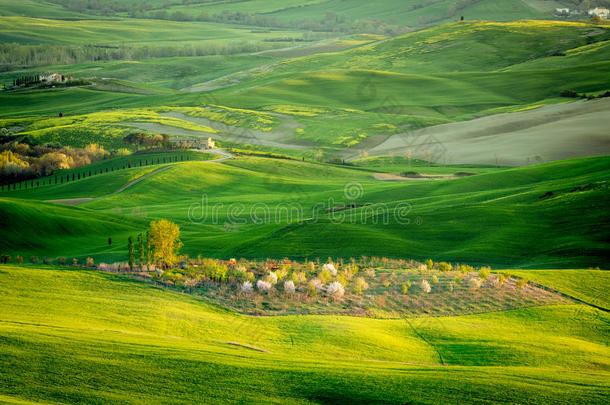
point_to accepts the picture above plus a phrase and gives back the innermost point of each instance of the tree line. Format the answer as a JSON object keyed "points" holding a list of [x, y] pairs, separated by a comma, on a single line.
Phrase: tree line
{"points": [[15, 55]]}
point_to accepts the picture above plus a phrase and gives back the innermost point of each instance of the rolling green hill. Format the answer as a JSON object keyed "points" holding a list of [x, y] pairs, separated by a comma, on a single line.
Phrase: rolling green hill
{"points": [[71, 335], [349, 102], [255, 207]]}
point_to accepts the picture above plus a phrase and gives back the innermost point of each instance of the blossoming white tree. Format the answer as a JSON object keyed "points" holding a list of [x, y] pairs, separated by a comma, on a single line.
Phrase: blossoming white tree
{"points": [[289, 286], [335, 289], [330, 268], [246, 287], [425, 286], [263, 285]]}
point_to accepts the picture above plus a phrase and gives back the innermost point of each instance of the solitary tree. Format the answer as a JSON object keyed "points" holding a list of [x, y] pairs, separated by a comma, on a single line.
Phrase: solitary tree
{"points": [[165, 241], [131, 258]]}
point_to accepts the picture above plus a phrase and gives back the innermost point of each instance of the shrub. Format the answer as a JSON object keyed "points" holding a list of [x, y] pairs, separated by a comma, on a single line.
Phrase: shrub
{"points": [[271, 278], [61, 260], [330, 268], [451, 286], [18, 259], [405, 287], [282, 272], [370, 273], [465, 269], [458, 279], [502, 277], [335, 289], [444, 266], [4, 259], [425, 286], [325, 276], [311, 266], [429, 264], [34, 259], [263, 285], [311, 290], [90, 262], [434, 279], [360, 285], [213, 271], [75, 262], [289, 286], [47, 260], [298, 277], [484, 273], [317, 283], [474, 283], [247, 287], [522, 282], [191, 282]]}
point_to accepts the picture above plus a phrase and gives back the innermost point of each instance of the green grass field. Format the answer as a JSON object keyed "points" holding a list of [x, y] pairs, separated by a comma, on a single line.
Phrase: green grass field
{"points": [[70, 335], [338, 100], [255, 207], [362, 132]]}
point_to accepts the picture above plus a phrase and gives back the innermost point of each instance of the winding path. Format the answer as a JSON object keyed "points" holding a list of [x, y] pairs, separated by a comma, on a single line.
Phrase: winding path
{"points": [[224, 155]]}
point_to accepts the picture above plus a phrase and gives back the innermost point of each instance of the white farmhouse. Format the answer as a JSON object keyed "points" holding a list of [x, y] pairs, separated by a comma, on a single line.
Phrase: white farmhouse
{"points": [[562, 11], [599, 12]]}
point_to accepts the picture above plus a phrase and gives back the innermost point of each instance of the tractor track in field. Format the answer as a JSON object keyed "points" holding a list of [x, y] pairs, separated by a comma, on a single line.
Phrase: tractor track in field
{"points": [[76, 201]]}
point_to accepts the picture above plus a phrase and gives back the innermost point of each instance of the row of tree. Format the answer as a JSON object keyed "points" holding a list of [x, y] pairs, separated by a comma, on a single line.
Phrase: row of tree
{"points": [[15, 54]]}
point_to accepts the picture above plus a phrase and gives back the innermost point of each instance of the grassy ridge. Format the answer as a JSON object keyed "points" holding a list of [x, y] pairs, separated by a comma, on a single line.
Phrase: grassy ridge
{"points": [[157, 344]]}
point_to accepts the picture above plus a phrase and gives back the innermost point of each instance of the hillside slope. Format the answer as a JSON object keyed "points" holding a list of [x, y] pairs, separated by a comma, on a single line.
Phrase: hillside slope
{"points": [[257, 208], [70, 335]]}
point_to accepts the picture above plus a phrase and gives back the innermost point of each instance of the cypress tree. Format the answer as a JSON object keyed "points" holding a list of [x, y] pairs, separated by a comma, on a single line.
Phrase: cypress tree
{"points": [[131, 257]]}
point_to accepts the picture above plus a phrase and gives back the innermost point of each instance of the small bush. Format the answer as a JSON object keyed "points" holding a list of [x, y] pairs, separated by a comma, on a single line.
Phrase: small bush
{"points": [[75, 262], [425, 286], [289, 287], [90, 262], [18, 259], [444, 266], [502, 277], [335, 289], [47, 260], [434, 280], [360, 285], [484, 273], [298, 277], [263, 286], [370, 273], [4, 259], [317, 283], [522, 282], [247, 287], [405, 287], [330, 268], [311, 290], [61, 260], [271, 278], [474, 283], [465, 269], [311, 267], [325, 276], [429, 264], [34, 259]]}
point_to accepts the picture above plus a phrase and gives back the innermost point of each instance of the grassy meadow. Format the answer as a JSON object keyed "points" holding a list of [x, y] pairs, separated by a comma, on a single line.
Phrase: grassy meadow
{"points": [[455, 172], [158, 345], [260, 207]]}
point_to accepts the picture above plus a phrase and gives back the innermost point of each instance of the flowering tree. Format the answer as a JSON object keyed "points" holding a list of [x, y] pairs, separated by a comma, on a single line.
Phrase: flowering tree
{"points": [[335, 289]]}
